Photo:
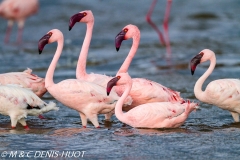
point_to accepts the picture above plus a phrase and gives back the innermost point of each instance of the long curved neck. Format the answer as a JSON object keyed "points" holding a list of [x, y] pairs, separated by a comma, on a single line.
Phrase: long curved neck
{"points": [[82, 60], [131, 54], [118, 108], [198, 86], [49, 75]]}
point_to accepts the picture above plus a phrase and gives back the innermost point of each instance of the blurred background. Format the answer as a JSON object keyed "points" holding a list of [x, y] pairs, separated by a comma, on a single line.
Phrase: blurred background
{"points": [[193, 26]]}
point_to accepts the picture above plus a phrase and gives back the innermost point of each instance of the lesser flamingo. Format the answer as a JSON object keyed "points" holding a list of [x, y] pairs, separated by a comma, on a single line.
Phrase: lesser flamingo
{"points": [[149, 115], [223, 93], [89, 99]]}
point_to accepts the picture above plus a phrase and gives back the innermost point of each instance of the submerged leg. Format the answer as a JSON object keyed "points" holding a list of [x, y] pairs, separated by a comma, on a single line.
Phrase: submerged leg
{"points": [[235, 116], [83, 119], [13, 121], [94, 119], [20, 31], [23, 122]]}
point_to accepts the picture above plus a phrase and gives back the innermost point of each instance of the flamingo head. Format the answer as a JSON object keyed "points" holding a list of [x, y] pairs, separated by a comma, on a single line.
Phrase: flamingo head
{"points": [[84, 16], [129, 31], [195, 61], [52, 36], [112, 83]]}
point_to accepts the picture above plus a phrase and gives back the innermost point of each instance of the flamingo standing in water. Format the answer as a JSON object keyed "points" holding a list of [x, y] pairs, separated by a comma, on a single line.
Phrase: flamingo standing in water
{"points": [[143, 90], [81, 74], [224, 93], [149, 115], [17, 10], [164, 41], [25, 79], [88, 98], [18, 102]]}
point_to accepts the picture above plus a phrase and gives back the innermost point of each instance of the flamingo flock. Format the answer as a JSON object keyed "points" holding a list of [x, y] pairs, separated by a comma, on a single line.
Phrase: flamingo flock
{"points": [[137, 102]]}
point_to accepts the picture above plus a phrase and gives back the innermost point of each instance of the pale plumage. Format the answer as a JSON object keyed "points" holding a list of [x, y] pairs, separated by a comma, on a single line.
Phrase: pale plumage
{"points": [[25, 79], [143, 90], [81, 74], [149, 115], [224, 93], [18, 102], [89, 99], [17, 10]]}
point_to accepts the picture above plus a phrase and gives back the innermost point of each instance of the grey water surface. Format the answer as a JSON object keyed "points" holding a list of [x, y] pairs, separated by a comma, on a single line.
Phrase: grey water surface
{"points": [[208, 133]]}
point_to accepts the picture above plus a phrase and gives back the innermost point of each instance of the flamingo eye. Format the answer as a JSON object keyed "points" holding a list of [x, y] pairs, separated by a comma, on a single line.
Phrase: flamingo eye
{"points": [[50, 33], [125, 30], [84, 13], [118, 77], [201, 53]]}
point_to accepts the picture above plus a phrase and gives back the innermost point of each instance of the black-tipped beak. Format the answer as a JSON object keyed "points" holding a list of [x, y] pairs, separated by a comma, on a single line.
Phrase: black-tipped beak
{"points": [[195, 61], [43, 41], [119, 38], [75, 18], [111, 84]]}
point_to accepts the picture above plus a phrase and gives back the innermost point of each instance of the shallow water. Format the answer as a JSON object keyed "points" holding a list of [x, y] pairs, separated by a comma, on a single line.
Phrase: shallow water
{"points": [[208, 133]]}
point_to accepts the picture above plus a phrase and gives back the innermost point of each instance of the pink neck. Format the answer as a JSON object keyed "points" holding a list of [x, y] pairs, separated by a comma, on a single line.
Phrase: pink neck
{"points": [[198, 86], [131, 54], [118, 108], [49, 75], [82, 60]]}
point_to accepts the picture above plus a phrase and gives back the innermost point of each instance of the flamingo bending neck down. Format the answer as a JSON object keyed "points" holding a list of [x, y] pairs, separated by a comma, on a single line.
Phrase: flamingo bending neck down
{"points": [[18, 102], [143, 90], [89, 99], [224, 93], [17, 10], [149, 115], [81, 74]]}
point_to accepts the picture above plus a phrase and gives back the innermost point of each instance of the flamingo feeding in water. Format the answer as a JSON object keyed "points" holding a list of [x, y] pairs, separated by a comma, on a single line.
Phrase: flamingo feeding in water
{"points": [[224, 93], [164, 41], [143, 90], [88, 98], [81, 74], [17, 10], [25, 79], [18, 102], [149, 115]]}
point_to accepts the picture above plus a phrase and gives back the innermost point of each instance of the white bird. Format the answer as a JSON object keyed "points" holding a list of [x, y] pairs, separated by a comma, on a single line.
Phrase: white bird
{"points": [[18, 102], [223, 93]]}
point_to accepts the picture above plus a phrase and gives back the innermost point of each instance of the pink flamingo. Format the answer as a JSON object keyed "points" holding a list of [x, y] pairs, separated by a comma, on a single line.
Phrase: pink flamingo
{"points": [[25, 79], [89, 99], [223, 93], [18, 102], [17, 10], [81, 74], [149, 115], [165, 25], [143, 90]]}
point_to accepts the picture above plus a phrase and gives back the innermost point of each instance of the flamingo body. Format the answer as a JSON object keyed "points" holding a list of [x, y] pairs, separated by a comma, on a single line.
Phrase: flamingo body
{"points": [[17, 10], [143, 90], [25, 79], [224, 93], [150, 115], [18, 102]]}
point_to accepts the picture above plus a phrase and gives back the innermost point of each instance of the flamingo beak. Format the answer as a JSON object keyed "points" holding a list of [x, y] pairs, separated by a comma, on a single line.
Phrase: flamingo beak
{"points": [[43, 41], [75, 18], [119, 38], [111, 84], [195, 61]]}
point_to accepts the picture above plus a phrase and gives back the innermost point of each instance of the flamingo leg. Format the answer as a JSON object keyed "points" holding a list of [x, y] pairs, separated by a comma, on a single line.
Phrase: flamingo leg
{"points": [[83, 119], [23, 122], [165, 28], [13, 121], [109, 115], [8, 31], [235, 116], [20, 31], [148, 19], [94, 119]]}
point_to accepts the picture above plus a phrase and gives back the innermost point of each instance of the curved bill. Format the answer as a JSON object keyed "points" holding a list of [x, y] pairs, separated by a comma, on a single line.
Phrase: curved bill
{"points": [[119, 38], [43, 41], [75, 18], [195, 61], [111, 84]]}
